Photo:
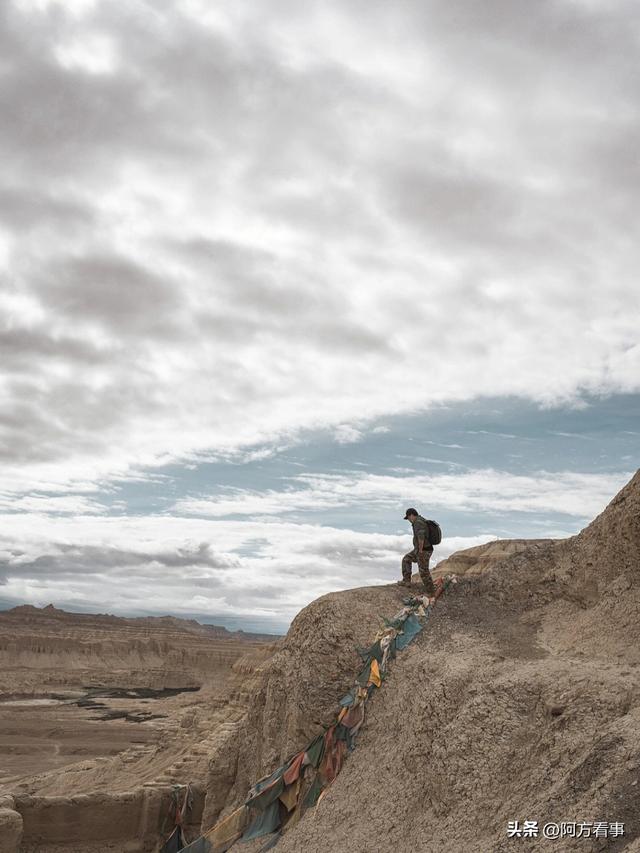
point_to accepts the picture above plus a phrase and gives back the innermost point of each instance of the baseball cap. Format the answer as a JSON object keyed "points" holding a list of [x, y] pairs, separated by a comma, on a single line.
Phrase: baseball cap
{"points": [[410, 511]]}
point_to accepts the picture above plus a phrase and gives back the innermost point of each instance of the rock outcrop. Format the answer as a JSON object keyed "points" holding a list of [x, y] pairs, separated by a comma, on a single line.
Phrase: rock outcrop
{"points": [[480, 558], [10, 826]]}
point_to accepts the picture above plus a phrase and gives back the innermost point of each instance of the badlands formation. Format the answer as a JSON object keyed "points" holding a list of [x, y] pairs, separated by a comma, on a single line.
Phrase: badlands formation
{"points": [[100, 715], [519, 701]]}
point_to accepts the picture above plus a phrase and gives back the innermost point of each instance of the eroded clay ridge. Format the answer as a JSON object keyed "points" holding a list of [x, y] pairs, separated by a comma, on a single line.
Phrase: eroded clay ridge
{"points": [[46, 648], [100, 716], [520, 702]]}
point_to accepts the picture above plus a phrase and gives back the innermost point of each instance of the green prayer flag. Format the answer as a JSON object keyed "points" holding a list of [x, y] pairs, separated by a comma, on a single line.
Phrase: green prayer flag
{"points": [[264, 823], [315, 751], [314, 792]]}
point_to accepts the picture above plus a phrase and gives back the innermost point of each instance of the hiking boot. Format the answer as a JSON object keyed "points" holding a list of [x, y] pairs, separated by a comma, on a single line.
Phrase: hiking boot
{"points": [[404, 583]]}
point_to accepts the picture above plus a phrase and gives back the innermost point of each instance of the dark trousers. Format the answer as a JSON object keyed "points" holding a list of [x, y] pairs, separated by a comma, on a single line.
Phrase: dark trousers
{"points": [[423, 567]]}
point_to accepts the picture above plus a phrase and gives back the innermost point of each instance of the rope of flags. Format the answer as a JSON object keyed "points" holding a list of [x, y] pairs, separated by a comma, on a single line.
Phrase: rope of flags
{"points": [[278, 801]]}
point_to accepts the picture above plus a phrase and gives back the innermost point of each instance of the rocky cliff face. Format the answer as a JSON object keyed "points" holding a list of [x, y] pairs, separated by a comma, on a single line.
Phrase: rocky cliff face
{"points": [[10, 826], [296, 691], [521, 701]]}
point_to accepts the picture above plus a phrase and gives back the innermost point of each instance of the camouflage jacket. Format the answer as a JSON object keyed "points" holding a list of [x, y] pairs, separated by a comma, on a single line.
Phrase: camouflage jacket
{"points": [[420, 531]]}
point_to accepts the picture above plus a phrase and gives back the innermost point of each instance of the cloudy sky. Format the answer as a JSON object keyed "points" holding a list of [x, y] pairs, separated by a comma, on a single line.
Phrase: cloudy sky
{"points": [[270, 273]]}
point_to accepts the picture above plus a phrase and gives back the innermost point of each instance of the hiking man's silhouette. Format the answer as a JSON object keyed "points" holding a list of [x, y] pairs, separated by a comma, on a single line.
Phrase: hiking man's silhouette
{"points": [[421, 553]]}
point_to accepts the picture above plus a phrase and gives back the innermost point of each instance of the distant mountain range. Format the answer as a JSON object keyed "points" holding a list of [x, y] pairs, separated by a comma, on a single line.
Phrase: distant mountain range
{"points": [[27, 614]]}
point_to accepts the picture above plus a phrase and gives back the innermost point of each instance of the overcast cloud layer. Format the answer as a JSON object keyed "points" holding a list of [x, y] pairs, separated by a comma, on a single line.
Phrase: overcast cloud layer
{"points": [[224, 227]]}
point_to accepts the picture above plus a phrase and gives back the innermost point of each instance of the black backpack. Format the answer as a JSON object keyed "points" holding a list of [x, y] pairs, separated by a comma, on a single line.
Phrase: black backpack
{"points": [[435, 533]]}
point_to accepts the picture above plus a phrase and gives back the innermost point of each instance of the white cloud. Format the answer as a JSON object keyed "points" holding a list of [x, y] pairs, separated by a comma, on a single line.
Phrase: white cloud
{"points": [[67, 504], [346, 434], [271, 502], [223, 229], [95, 53], [283, 565], [250, 226], [480, 491], [270, 562]]}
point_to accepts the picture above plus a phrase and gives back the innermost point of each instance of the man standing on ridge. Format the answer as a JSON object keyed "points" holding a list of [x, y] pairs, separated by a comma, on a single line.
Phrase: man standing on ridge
{"points": [[421, 553]]}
